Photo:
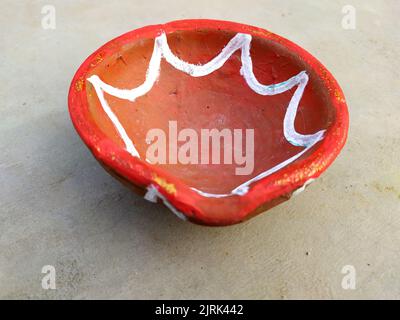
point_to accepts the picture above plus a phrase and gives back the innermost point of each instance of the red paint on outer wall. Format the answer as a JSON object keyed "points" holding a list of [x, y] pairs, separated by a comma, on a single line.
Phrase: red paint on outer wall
{"points": [[264, 193]]}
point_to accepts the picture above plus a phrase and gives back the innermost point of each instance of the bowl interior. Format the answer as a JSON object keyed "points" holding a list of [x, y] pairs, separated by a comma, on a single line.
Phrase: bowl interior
{"points": [[220, 100]]}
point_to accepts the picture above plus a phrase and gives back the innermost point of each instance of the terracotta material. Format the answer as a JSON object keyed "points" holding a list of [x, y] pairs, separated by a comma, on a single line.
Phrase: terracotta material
{"points": [[221, 99]]}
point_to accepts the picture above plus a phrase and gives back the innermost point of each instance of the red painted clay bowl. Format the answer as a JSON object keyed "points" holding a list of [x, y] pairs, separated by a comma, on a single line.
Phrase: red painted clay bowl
{"points": [[205, 74]]}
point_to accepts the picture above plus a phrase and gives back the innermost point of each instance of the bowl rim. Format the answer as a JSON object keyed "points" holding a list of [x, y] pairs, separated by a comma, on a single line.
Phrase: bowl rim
{"points": [[177, 195]]}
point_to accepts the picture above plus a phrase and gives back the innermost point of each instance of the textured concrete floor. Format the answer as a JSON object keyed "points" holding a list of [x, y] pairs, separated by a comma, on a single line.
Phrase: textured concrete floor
{"points": [[58, 207]]}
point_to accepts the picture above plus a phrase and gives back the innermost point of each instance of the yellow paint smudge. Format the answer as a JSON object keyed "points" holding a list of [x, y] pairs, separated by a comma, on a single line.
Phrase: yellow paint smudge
{"points": [[169, 187], [79, 85]]}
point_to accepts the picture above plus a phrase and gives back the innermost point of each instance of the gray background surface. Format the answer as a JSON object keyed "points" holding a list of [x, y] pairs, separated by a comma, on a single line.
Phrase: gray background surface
{"points": [[59, 207]]}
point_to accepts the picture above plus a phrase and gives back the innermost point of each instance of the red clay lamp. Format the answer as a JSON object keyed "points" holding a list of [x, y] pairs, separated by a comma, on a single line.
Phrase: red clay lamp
{"points": [[274, 115]]}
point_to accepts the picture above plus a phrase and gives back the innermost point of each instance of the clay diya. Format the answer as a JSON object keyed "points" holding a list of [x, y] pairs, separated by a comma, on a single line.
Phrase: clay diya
{"points": [[206, 74]]}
